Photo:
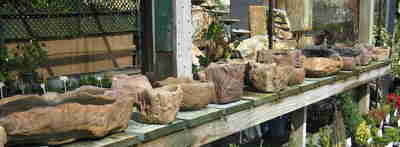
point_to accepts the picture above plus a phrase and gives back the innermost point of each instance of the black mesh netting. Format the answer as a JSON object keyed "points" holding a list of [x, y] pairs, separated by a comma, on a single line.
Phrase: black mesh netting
{"points": [[60, 19]]}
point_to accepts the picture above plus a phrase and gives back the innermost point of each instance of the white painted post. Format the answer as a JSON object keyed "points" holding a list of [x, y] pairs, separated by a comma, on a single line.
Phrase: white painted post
{"points": [[366, 21], [182, 37], [298, 128], [363, 93]]}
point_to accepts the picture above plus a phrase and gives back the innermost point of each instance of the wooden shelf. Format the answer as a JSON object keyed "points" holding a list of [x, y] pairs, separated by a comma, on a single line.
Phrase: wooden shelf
{"points": [[195, 128]]}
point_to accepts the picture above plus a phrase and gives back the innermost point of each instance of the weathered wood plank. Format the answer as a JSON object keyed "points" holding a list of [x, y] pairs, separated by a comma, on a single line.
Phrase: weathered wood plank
{"points": [[260, 98], [115, 140], [233, 107], [198, 117], [236, 122], [298, 128], [362, 93], [146, 132]]}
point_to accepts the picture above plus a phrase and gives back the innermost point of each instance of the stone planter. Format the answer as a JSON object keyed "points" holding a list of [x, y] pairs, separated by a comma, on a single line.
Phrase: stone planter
{"points": [[270, 77], [321, 62], [196, 95], [228, 79], [131, 85], [52, 120], [351, 58], [381, 54], [366, 53], [160, 105], [293, 58], [298, 76]]}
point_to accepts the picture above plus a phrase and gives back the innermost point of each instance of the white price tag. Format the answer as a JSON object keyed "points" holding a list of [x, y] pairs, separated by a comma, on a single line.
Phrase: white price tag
{"points": [[369, 140], [389, 145], [348, 142], [380, 133], [64, 78], [387, 119]]}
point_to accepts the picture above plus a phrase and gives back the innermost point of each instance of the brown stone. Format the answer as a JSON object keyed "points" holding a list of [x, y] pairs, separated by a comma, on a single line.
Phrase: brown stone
{"points": [[281, 57], [366, 53], [3, 137], [269, 77], [160, 105], [298, 76], [131, 85], [320, 66], [228, 79], [32, 119], [173, 81], [380, 53], [196, 95], [349, 63]]}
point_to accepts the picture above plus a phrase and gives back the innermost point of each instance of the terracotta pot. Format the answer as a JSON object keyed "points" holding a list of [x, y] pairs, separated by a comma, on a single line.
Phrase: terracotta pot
{"points": [[160, 105]]}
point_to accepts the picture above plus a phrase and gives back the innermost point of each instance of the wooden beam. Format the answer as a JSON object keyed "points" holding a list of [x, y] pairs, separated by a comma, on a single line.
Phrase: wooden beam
{"points": [[257, 20], [300, 13], [196, 128], [298, 126], [366, 21], [362, 93], [146, 49], [182, 38]]}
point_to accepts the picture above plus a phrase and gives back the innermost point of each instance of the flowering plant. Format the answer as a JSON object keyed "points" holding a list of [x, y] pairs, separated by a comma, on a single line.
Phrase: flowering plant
{"points": [[394, 100]]}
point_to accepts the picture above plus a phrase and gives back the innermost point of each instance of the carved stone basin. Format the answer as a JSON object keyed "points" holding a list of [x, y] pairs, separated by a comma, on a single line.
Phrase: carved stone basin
{"points": [[321, 62], [88, 112]]}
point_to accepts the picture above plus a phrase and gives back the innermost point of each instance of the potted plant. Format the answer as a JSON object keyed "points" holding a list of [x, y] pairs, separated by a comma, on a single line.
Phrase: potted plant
{"points": [[28, 58]]}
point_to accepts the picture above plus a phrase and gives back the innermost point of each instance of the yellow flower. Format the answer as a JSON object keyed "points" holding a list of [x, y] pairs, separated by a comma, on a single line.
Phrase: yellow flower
{"points": [[362, 133]]}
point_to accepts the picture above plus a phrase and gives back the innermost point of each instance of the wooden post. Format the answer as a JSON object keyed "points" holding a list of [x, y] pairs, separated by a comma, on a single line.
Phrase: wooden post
{"points": [[298, 125], [182, 38], [366, 21], [257, 20], [167, 38], [299, 12], [146, 48], [362, 93]]}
